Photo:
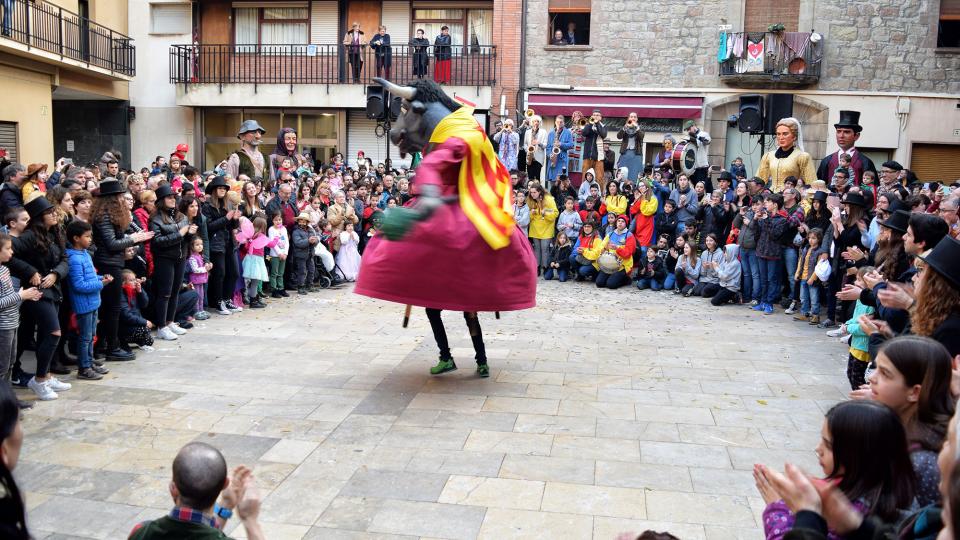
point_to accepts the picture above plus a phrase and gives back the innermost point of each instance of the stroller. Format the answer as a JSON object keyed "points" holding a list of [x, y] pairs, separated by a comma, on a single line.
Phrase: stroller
{"points": [[323, 258]]}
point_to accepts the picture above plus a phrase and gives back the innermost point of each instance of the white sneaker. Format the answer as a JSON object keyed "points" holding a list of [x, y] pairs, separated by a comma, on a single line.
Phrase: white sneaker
{"points": [[57, 385], [222, 308], [836, 332], [42, 390], [234, 308], [176, 329], [167, 334], [792, 309]]}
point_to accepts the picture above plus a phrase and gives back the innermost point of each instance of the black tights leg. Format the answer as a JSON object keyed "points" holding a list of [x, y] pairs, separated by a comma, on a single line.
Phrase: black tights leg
{"points": [[476, 335], [439, 333]]}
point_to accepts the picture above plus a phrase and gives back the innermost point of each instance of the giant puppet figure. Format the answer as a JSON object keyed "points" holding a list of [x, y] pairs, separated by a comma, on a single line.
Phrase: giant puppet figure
{"points": [[455, 246]]}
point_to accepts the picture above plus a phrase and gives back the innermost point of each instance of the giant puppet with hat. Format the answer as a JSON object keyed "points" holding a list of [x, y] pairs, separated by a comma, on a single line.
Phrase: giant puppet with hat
{"points": [[247, 160], [455, 246], [848, 133]]}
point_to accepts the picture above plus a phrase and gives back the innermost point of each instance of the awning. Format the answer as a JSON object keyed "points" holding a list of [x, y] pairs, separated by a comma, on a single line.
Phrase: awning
{"points": [[617, 106]]}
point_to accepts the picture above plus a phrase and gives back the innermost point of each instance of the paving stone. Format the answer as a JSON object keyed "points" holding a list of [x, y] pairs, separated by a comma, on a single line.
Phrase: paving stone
{"points": [[428, 519], [408, 486]]}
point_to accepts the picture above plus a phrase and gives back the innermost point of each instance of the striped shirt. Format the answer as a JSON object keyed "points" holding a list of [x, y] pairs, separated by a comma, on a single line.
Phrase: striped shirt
{"points": [[9, 301]]}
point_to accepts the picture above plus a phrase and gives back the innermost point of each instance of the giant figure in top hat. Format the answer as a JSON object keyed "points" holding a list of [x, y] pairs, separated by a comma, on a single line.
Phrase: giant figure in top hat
{"points": [[247, 160], [455, 245], [848, 132]]}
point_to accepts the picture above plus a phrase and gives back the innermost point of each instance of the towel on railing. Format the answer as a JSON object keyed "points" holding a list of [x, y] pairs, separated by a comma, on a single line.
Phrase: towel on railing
{"points": [[796, 43], [722, 51]]}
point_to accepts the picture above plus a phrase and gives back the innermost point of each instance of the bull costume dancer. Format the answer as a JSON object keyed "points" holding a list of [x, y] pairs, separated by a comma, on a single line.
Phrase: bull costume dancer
{"points": [[455, 246]]}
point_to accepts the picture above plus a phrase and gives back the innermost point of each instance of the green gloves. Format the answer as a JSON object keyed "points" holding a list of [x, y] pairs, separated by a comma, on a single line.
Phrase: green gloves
{"points": [[398, 221]]}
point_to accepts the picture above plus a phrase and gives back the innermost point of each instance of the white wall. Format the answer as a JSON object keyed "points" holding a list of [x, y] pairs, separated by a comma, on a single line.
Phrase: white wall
{"points": [[160, 124]]}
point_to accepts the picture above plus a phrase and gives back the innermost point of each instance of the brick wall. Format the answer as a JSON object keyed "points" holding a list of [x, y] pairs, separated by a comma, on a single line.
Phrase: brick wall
{"points": [[506, 36], [759, 14], [869, 45]]}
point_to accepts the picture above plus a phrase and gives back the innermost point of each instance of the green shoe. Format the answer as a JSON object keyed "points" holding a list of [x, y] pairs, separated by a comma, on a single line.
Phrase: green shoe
{"points": [[483, 370], [443, 366]]}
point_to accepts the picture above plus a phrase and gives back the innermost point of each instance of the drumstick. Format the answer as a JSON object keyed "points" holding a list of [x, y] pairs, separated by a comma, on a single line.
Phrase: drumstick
{"points": [[406, 315], [497, 315]]}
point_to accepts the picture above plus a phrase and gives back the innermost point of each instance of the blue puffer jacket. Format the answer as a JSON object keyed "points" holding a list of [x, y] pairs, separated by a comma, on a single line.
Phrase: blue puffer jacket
{"points": [[85, 284]]}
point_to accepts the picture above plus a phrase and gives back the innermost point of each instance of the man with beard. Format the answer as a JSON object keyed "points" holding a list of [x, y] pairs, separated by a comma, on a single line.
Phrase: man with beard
{"points": [[247, 160]]}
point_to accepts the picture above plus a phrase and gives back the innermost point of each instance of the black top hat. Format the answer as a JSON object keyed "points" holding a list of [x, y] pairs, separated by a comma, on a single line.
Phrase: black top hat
{"points": [[37, 207], [855, 199], [725, 175], [164, 191], [820, 196], [897, 221], [943, 258], [218, 181], [849, 119], [109, 186]]}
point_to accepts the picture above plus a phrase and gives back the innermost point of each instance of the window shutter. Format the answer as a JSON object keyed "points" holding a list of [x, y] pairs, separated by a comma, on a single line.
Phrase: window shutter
{"points": [[950, 10], [323, 22], [8, 140], [936, 162], [169, 18], [569, 6], [361, 135], [396, 17]]}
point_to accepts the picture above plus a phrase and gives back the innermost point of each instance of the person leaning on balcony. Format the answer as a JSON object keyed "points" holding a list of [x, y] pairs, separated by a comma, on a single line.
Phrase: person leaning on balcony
{"points": [[788, 159], [247, 160], [355, 42], [382, 52], [420, 58], [442, 53]]}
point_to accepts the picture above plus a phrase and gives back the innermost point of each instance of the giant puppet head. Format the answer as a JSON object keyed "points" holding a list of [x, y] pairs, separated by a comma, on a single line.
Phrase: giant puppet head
{"points": [[425, 104]]}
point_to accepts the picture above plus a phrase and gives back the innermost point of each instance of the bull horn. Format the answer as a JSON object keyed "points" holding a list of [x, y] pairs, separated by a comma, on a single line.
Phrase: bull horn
{"points": [[406, 92]]}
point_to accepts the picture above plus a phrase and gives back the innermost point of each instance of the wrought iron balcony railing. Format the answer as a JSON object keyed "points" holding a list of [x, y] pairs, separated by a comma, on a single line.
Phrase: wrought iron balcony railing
{"points": [[50, 28], [771, 59], [471, 65]]}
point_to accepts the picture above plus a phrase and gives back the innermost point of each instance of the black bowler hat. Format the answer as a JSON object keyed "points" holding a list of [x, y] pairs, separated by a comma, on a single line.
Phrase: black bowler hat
{"points": [[897, 221], [164, 191], [218, 181], [943, 258], [820, 196], [725, 175], [855, 199], [849, 119], [108, 187], [37, 207]]}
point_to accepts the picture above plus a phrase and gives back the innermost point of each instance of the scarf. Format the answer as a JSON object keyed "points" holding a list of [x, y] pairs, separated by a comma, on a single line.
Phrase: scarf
{"points": [[281, 149], [484, 183]]}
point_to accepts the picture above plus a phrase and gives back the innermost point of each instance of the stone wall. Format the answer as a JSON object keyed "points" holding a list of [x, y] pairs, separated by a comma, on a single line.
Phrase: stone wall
{"points": [[870, 45]]}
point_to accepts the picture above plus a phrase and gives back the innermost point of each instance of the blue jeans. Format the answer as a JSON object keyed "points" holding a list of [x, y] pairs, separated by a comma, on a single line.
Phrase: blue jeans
{"points": [[86, 325], [809, 298], [790, 257], [587, 271], [7, 14], [770, 279], [670, 282], [650, 283], [750, 266], [612, 281], [561, 273]]}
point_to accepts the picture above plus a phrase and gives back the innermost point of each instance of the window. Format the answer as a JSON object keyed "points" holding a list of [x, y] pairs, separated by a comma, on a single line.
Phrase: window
{"points": [[760, 14], [572, 19], [948, 30], [472, 27], [271, 25], [169, 18]]}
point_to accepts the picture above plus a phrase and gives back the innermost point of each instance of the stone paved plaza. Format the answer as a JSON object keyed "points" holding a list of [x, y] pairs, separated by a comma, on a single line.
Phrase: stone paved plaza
{"points": [[617, 411]]}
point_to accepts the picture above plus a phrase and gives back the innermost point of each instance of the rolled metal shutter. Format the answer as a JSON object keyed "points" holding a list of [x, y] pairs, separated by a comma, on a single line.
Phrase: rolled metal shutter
{"points": [[323, 22], [936, 162], [8, 140], [361, 135]]}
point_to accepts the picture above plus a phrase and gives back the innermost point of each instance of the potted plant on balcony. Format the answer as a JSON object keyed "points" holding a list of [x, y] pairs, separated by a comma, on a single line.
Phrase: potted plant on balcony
{"points": [[777, 28]]}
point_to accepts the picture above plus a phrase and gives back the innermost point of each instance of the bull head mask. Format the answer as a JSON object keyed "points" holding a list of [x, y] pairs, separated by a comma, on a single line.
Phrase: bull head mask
{"points": [[418, 118]]}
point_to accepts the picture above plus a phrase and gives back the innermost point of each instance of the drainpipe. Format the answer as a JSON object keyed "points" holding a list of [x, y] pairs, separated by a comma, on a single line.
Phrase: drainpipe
{"points": [[523, 53]]}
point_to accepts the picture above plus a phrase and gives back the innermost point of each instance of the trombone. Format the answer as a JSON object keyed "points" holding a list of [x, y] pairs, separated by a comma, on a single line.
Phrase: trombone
{"points": [[530, 113]]}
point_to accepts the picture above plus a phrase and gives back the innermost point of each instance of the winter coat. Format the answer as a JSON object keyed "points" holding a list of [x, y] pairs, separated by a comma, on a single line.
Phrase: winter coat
{"points": [[665, 223], [543, 226], [561, 255], [655, 269], [167, 241], [748, 229], [301, 244], [859, 340], [219, 228], [85, 284], [521, 214], [141, 216], [27, 249], [768, 244], [730, 268], [131, 306], [111, 242]]}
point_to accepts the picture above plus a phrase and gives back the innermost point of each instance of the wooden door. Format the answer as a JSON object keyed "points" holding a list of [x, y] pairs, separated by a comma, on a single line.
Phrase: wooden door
{"points": [[365, 12]]}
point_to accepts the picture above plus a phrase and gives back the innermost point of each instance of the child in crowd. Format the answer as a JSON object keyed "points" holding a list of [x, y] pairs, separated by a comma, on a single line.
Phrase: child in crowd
{"points": [[560, 255], [810, 288], [710, 260], [199, 273], [254, 268], [587, 207], [521, 212], [670, 254], [859, 357], [666, 222], [687, 270], [300, 253], [729, 274], [746, 222], [845, 168], [286, 166], [584, 251], [85, 286], [771, 223], [10, 300], [15, 222], [348, 257], [652, 273], [278, 255], [569, 221], [134, 327]]}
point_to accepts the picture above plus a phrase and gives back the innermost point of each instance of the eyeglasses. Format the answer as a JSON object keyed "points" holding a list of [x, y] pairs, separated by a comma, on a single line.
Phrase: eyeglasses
{"points": [[946, 211]]}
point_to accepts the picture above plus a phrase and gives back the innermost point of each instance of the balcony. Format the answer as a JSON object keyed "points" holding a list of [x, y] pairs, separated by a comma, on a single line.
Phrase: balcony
{"points": [[772, 59], [471, 65], [55, 33]]}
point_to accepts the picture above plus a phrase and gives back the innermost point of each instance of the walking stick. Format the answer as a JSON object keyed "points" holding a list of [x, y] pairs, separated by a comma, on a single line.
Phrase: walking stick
{"points": [[406, 315]]}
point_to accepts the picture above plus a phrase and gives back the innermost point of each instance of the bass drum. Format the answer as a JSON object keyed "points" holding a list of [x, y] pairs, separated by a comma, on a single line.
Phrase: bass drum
{"points": [[684, 158], [609, 263]]}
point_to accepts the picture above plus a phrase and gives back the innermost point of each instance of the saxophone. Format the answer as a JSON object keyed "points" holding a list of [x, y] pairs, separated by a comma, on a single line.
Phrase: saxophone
{"points": [[555, 152], [533, 146]]}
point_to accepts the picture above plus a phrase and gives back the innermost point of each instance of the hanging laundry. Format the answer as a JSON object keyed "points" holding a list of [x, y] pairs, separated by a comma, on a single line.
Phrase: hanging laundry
{"points": [[755, 55], [722, 51]]}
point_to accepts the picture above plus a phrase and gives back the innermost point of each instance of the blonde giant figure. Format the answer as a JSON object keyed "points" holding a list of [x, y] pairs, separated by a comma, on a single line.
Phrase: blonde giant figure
{"points": [[789, 158]]}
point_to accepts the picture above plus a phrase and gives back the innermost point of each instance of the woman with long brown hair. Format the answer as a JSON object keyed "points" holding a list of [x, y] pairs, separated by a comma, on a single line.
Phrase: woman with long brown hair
{"points": [[936, 312], [847, 228], [250, 202], [110, 218]]}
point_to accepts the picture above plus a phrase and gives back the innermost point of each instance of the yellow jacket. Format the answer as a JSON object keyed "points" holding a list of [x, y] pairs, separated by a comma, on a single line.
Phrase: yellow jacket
{"points": [[542, 226], [797, 164], [616, 204]]}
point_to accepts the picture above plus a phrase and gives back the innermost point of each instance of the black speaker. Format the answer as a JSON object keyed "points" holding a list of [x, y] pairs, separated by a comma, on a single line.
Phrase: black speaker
{"points": [[375, 102], [779, 106], [751, 113], [395, 103]]}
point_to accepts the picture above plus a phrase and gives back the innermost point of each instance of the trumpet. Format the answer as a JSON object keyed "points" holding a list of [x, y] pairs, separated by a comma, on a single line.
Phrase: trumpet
{"points": [[531, 149], [556, 149], [583, 122], [530, 113]]}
